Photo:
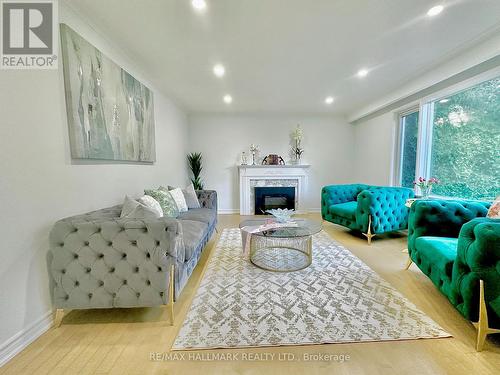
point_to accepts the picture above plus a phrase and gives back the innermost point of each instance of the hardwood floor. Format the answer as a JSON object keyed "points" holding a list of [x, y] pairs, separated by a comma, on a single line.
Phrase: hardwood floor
{"points": [[121, 341]]}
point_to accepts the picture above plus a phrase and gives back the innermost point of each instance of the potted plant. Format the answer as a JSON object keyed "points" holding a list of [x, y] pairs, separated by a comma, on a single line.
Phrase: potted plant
{"points": [[195, 165]]}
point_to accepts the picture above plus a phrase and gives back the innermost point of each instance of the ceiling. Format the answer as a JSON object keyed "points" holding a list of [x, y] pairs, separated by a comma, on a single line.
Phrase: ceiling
{"points": [[288, 55]]}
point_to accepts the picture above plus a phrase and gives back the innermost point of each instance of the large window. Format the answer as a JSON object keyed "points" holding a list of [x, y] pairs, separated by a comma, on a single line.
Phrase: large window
{"points": [[459, 143]]}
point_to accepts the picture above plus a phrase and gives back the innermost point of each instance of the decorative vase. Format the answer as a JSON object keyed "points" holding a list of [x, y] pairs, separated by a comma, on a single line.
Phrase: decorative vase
{"points": [[425, 191], [244, 160]]}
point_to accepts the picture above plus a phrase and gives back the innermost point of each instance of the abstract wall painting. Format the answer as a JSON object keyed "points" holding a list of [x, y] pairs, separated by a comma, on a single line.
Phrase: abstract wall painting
{"points": [[110, 113]]}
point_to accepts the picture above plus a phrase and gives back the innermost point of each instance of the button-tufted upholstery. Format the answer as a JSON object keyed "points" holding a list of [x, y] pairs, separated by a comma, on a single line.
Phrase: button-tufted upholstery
{"points": [[454, 244], [351, 205], [99, 260]]}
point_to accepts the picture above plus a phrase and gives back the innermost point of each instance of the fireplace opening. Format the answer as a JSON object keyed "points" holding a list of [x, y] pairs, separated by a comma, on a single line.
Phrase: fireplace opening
{"points": [[271, 197]]}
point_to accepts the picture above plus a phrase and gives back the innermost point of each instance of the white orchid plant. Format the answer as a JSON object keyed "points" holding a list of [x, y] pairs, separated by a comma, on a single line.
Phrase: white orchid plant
{"points": [[297, 136]]}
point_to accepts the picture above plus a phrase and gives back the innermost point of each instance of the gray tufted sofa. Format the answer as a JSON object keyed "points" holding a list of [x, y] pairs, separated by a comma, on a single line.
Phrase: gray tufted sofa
{"points": [[98, 260]]}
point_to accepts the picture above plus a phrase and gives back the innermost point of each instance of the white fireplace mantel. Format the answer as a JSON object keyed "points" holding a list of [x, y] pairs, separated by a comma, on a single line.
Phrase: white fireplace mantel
{"points": [[270, 175]]}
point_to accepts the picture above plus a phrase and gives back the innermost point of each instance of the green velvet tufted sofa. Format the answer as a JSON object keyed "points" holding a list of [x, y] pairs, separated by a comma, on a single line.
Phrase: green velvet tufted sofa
{"points": [[368, 209], [458, 248]]}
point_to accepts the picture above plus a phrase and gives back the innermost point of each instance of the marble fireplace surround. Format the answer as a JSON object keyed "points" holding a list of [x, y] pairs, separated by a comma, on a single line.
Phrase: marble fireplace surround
{"points": [[270, 175]]}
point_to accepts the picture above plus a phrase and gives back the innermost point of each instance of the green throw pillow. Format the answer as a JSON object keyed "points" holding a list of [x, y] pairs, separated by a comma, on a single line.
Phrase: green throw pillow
{"points": [[166, 201]]}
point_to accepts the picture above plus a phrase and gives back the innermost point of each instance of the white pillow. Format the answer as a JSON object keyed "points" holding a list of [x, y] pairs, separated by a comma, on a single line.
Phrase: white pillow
{"points": [[133, 209], [152, 203], [129, 205], [179, 199], [190, 196]]}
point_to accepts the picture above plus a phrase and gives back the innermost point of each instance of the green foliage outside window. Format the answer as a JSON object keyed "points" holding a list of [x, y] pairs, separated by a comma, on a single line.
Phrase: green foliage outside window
{"points": [[409, 149], [466, 143]]}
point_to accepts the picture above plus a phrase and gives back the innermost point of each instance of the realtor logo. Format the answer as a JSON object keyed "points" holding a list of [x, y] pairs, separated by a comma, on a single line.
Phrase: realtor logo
{"points": [[29, 39]]}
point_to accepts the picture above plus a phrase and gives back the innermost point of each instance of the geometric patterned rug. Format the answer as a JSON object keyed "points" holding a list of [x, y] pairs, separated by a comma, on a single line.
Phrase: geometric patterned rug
{"points": [[336, 299]]}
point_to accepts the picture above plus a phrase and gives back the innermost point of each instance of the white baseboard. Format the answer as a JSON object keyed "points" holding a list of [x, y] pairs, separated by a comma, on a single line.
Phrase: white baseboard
{"points": [[22, 339], [228, 211]]}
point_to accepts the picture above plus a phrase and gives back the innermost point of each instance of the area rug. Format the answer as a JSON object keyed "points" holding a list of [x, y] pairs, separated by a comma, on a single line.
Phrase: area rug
{"points": [[337, 299]]}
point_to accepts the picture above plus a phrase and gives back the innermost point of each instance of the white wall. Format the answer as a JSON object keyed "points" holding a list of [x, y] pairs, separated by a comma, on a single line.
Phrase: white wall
{"points": [[39, 184], [374, 141], [328, 144]]}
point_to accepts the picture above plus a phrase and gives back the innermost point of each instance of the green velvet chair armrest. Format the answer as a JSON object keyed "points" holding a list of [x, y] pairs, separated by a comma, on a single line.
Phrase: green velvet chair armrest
{"points": [[386, 205], [441, 218], [335, 194], [478, 258]]}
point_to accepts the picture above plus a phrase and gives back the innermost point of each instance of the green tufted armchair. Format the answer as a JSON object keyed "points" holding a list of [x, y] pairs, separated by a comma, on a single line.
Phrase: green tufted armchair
{"points": [[458, 248], [368, 209]]}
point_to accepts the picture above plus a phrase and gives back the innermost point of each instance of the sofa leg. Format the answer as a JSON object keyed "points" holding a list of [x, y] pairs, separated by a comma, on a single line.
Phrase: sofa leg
{"points": [[369, 235], [58, 316], [408, 263], [482, 325], [171, 293]]}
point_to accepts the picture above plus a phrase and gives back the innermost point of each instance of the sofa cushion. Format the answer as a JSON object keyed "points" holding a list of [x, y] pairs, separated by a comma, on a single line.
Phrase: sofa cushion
{"points": [[192, 235], [438, 251], [165, 200], [133, 209], [189, 195], [346, 210], [179, 199], [204, 215]]}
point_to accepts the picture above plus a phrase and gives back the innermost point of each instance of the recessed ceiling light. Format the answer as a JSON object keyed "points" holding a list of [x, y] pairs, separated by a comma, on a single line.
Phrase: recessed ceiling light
{"points": [[219, 70], [442, 101], [434, 11], [228, 99], [199, 4], [362, 73], [329, 100]]}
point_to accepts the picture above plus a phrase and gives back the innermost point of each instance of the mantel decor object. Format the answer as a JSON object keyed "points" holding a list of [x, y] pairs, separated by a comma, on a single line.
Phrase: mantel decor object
{"points": [[273, 159], [297, 150], [244, 159], [254, 149]]}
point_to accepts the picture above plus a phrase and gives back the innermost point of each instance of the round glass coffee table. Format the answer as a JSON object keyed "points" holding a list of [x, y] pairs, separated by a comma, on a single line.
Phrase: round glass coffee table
{"points": [[282, 249]]}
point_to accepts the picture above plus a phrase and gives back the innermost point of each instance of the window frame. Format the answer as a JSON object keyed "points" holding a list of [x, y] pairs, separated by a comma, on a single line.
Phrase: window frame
{"points": [[425, 106], [399, 152]]}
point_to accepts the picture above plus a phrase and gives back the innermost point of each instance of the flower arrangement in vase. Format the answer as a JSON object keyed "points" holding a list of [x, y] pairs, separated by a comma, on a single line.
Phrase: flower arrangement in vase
{"points": [[297, 151], [425, 186]]}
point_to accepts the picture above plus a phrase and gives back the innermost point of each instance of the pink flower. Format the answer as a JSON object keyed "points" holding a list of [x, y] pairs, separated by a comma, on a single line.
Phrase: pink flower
{"points": [[434, 180]]}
